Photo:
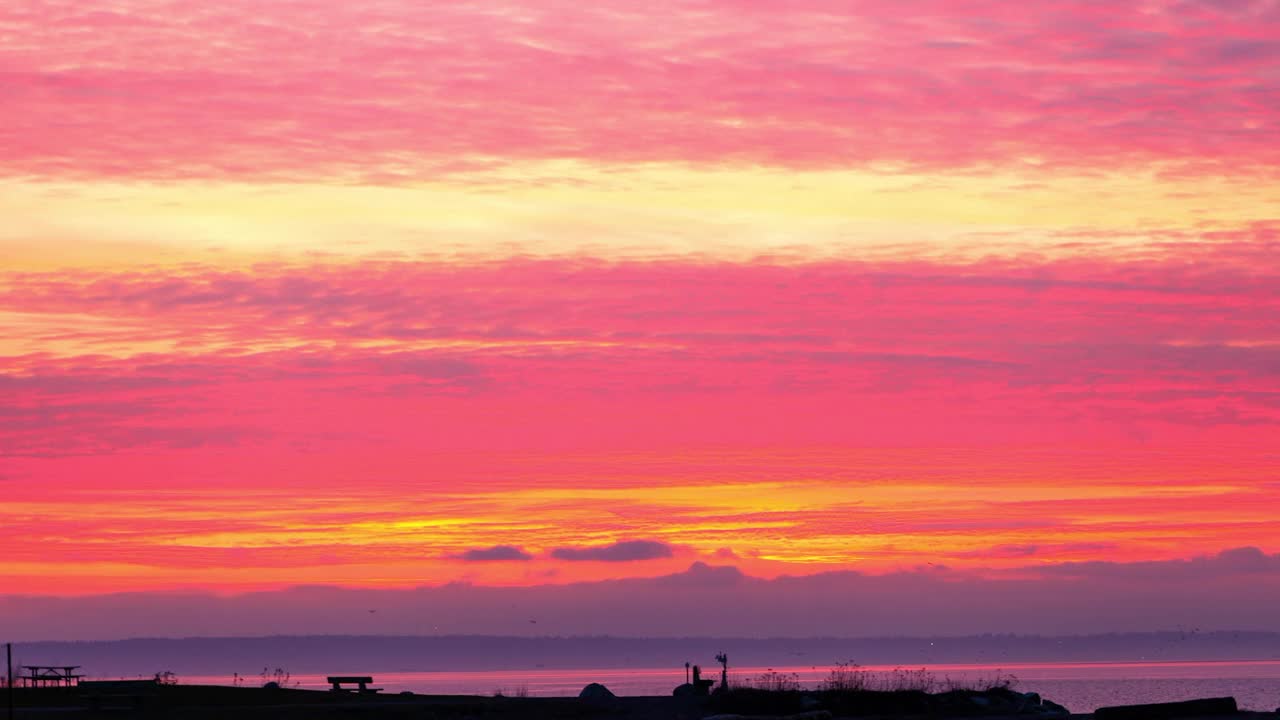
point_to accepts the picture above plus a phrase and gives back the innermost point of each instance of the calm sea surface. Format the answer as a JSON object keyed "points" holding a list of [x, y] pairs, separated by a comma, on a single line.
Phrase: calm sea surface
{"points": [[1081, 687]]}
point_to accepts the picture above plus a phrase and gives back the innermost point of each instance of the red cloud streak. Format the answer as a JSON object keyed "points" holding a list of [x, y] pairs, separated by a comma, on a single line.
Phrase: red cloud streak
{"points": [[1048, 351]]}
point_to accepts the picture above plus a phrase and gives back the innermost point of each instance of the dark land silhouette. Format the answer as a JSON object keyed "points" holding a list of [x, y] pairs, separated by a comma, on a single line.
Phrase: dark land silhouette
{"points": [[155, 701]]}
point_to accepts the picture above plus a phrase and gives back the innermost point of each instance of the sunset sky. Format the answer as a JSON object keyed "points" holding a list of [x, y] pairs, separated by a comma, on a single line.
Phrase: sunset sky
{"points": [[550, 297]]}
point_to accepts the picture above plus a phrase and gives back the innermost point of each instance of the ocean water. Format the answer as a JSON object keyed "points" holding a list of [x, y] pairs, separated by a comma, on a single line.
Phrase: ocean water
{"points": [[1080, 686]]}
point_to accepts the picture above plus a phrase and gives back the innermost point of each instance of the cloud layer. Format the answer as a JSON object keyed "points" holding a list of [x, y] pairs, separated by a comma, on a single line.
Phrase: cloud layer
{"points": [[809, 417], [175, 89], [502, 295], [1205, 592]]}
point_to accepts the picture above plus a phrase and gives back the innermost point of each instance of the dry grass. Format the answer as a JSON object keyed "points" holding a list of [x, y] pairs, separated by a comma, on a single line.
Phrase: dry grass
{"points": [[772, 681], [851, 677], [519, 691]]}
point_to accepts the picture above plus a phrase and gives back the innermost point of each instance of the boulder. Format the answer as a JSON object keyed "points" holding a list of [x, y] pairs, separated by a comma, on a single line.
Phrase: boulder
{"points": [[1053, 709], [596, 691]]}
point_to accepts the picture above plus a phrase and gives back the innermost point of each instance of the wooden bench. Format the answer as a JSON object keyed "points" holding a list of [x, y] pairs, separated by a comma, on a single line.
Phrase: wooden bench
{"points": [[360, 681]]}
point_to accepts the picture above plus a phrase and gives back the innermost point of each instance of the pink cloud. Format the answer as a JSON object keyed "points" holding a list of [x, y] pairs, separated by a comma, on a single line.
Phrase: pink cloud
{"points": [[896, 352], [308, 90], [446, 391]]}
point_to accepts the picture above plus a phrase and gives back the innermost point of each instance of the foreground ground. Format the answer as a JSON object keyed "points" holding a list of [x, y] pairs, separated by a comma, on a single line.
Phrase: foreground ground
{"points": [[240, 703]]}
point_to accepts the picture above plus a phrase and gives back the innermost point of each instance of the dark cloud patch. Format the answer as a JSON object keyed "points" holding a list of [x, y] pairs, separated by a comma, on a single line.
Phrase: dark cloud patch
{"points": [[702, 575], [497, 553], [623, 551], [1232, 562]]}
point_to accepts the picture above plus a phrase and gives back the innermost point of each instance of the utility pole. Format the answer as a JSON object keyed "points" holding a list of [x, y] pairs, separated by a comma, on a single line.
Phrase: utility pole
{"points": [[8, 663]]}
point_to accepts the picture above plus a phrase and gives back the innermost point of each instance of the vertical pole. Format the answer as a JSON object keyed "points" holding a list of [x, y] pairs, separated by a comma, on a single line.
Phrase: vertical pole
{"points": [[8, 663]]}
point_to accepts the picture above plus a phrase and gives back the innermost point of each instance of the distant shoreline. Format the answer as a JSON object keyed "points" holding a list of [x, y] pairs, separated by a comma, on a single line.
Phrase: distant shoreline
{"points": [[322, 653]]}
